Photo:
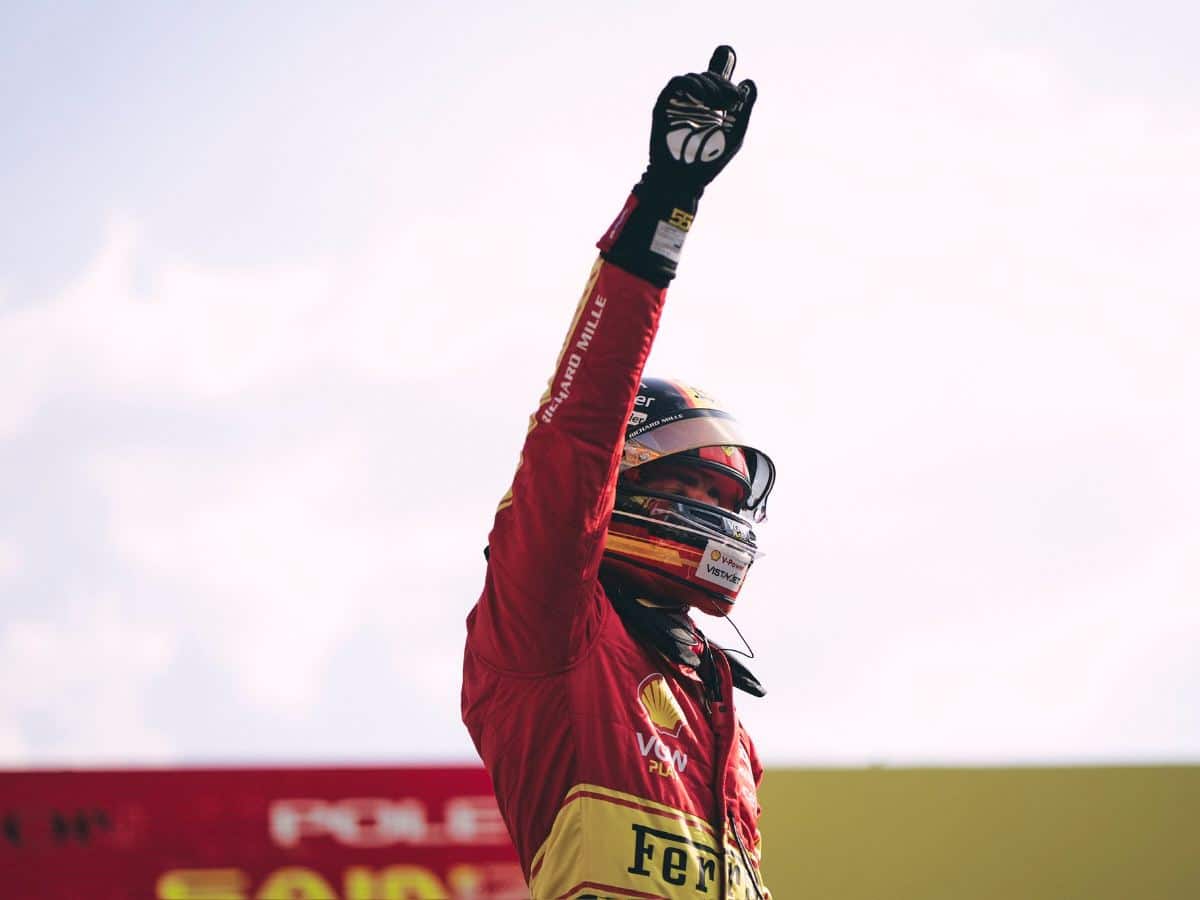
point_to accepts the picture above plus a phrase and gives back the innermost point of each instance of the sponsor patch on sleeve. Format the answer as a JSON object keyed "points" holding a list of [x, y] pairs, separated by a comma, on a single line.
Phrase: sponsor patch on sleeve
{"points": [[723, 565]]}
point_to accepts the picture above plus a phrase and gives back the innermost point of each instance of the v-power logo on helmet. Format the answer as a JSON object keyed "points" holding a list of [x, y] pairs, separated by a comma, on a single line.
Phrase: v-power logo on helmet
{"points": [[723, 565]]}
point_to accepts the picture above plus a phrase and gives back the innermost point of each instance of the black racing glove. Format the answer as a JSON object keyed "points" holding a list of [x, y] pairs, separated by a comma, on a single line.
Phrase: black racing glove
{"points": [[697, 127]]}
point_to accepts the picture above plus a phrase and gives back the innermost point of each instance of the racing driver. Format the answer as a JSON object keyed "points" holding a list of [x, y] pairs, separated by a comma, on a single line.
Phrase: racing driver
{"points": [[603, 715]]}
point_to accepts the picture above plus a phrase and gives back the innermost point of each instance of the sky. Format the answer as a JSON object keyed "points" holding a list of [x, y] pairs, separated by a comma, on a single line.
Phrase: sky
{"points": [[280, 286]]}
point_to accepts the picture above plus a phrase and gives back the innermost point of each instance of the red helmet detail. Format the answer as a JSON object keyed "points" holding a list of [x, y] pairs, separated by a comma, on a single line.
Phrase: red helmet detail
{"points": [[682, 526]]}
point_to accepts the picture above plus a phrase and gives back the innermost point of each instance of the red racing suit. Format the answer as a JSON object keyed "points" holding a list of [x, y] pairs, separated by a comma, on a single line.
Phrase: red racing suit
{"points": [[616, 773]]}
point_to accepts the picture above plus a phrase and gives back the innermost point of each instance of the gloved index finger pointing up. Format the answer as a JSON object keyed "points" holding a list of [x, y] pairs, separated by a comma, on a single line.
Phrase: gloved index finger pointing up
{"points": [[697, 127], [722, 62]]}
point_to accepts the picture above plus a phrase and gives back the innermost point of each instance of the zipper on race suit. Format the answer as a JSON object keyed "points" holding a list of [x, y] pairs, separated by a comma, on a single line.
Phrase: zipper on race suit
{"points": [[745, 857]]}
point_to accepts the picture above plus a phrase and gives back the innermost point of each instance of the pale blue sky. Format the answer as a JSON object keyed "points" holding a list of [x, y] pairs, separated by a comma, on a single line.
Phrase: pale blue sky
{"points": [[280, 284]]}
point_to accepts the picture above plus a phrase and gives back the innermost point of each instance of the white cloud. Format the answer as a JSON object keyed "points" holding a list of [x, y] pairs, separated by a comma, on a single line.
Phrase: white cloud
{"points": [[86, 682], [274, 543], [135, 329], [276, 552], [273, 556]]}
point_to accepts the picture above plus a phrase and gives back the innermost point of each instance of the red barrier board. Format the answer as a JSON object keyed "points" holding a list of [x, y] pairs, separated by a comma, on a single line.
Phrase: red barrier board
{"points": [[255, 834]]}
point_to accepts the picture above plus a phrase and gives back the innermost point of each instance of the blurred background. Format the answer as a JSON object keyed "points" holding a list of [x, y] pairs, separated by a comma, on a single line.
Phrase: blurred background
{"points": [[280, 285]]}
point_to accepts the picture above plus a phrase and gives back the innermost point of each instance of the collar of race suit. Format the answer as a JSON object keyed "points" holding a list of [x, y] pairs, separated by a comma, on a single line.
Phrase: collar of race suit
{"points": [[670, 631]]}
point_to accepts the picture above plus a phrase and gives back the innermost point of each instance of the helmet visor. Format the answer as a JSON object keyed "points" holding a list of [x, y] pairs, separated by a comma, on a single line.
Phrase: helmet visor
{"points": [[699, 520], [691, 430]]}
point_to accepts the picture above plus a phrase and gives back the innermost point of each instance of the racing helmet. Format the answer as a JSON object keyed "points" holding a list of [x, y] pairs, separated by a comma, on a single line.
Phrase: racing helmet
{"points": [[675, 548]]}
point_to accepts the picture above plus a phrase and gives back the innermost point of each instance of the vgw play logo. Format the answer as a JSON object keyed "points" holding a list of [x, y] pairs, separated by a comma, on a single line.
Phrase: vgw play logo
{"points": [[667, 717]]}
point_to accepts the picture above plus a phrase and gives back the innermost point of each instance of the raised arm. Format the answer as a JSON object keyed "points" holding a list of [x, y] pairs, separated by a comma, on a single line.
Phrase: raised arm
{"points": [[541, 597]]}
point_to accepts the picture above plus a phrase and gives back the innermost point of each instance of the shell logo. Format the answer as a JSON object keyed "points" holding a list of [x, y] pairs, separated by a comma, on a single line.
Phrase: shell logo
{"points": [[715, 556], [660, 704]]}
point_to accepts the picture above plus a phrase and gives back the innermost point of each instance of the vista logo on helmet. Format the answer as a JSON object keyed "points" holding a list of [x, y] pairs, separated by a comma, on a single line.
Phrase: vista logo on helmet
{"points": [[724, 565]]}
